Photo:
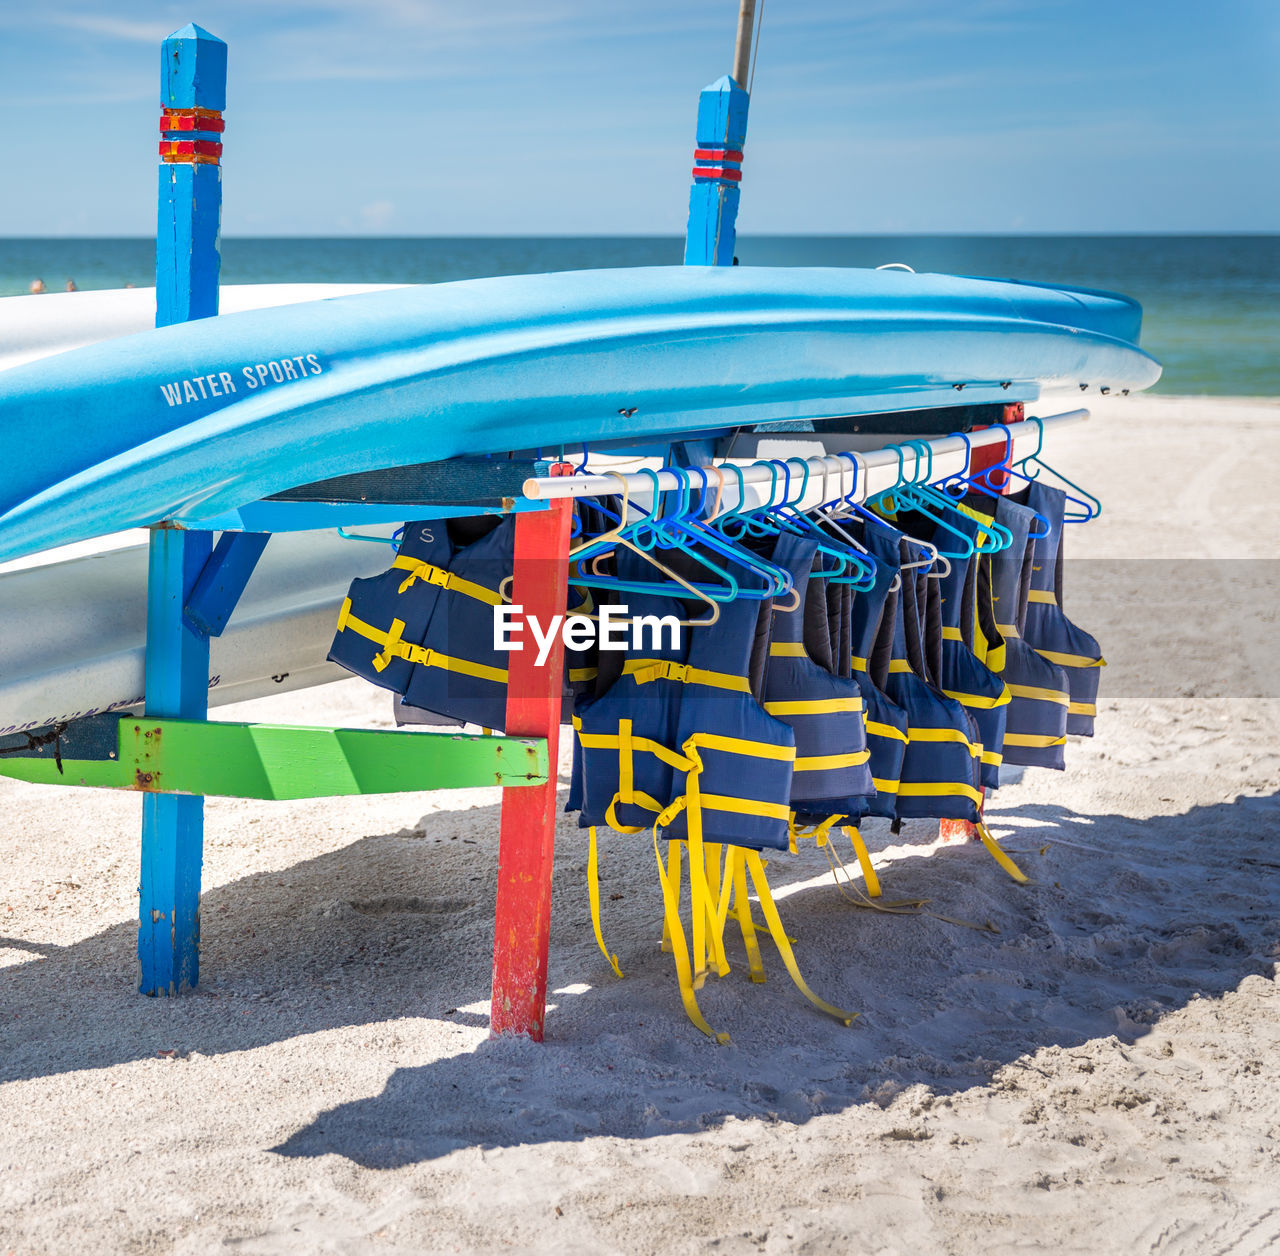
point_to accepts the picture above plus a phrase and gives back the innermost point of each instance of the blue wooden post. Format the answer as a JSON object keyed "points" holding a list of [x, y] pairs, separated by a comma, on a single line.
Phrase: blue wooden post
{"points": [[193, 83], [717, 172]]}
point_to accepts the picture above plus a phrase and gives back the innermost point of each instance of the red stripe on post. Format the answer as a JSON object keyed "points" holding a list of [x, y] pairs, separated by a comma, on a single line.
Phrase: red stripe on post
{"points": [[206, 151], [992, 455], [716, 154], [717, 172], [192, 120], [526, 846]]}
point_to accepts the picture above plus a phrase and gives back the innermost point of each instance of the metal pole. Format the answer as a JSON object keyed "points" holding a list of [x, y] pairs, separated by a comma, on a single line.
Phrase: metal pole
{"points": [[878, 469], [742, 49]]}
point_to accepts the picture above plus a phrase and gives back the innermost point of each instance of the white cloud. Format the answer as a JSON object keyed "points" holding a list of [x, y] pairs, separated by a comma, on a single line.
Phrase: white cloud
{"points": [[377, 215], [145, 32]]}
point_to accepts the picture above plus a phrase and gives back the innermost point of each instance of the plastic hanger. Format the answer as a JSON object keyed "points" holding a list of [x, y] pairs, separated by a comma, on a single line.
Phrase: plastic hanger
{"points": [[847, 555], [777, 580], [915, 495], [1091, 505], [829, 521], [1005, 467]]}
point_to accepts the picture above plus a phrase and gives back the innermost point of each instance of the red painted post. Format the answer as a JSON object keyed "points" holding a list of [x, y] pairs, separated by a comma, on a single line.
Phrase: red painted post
{"points": [[526, 847], [989, 455]]}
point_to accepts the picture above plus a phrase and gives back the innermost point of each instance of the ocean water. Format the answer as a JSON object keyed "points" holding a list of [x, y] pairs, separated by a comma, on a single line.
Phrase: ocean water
{"points": [[1212, 303]]}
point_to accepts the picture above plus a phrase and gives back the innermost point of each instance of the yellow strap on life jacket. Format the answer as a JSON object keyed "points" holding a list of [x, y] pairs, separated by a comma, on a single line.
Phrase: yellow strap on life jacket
{"points": [[1039, 694], [998, 855], [940, 734], [857, 664], [1082, 708], [718, 890], [885, 786], [787, 650], [864, 860], [755, 867], [876, 729], [898, 665], [744, 806], [1070, 660], [580, 674], [1039, 741], [938, 789], [593, 892], [979, 701], [741, 745], [1044, 596], [393, 646], [814, 706], [1007, 630], [643, 671], [829, 762], [679, 948], [820, 832], [431, 574], [952, 634], [992, 758], [742, 914]]}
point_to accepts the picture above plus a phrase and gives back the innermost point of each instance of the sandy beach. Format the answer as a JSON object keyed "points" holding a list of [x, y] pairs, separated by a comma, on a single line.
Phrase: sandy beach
{"points": [[1092, 1070]]}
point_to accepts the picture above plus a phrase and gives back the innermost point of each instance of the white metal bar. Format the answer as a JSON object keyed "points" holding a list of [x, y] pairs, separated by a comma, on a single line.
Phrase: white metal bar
{"points": [[829, 477]]}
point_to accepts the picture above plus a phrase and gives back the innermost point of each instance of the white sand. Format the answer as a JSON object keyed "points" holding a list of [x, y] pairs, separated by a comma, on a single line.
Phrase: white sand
{"points": [[1098, 1077]]}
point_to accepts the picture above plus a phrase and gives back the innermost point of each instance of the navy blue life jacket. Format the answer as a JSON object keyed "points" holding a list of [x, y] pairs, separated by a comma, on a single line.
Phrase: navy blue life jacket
{"points": [[425, 628], [963, 677], [1048, 630], [384, 615], [1036, 725], [940, 768], [872, 616], [680, 725], [832, 772]]}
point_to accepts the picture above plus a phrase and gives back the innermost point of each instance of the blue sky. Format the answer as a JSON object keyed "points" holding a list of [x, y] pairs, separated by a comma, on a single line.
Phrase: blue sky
{"points": [[511, 117]]}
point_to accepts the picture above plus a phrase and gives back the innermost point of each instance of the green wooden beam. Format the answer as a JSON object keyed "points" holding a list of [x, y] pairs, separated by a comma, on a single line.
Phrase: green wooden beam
{"points": [[282, 761]]}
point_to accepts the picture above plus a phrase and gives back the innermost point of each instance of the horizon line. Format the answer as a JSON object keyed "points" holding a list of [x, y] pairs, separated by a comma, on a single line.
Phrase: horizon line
{"points": [[767, 235]]}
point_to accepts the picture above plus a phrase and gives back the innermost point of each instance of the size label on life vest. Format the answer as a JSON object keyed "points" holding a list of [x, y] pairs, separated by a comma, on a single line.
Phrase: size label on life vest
{"points": [[241, 379]]}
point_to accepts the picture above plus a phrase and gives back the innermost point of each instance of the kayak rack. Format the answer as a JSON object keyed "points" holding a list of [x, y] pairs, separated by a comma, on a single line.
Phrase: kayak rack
{"points": [[175, 756]]}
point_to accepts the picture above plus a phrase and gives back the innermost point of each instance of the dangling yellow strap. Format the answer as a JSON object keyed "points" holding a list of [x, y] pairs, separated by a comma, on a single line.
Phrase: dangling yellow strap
{"points": [[742, 913], [593, 891], [864, 860], [819, 832], [998, 855], [754, 865], [715, 925], [671, 909], [673, 871]]}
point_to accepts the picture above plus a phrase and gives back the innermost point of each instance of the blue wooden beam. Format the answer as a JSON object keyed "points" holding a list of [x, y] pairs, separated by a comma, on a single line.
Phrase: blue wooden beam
{"points": [[193, 78], [717, 173], [222, 581]]}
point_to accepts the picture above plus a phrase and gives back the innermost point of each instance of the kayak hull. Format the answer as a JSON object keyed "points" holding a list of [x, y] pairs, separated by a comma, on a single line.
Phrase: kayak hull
{"points": [[197, 420]]}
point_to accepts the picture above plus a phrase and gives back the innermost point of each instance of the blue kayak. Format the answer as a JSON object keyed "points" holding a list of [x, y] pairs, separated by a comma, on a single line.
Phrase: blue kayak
{"points": [[192, 421]]}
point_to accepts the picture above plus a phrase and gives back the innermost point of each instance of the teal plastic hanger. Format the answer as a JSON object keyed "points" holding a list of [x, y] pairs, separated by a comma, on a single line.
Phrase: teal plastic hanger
{"points": [[1087, 501], [913, 494]]}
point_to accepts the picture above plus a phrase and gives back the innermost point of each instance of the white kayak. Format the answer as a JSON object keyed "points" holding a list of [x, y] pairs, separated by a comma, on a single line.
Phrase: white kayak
{"points": [[73, 633], [34, 327]]}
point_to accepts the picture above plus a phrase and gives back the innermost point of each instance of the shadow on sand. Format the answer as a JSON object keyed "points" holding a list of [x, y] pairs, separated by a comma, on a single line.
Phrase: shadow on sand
{"points": [[345, 940]]}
